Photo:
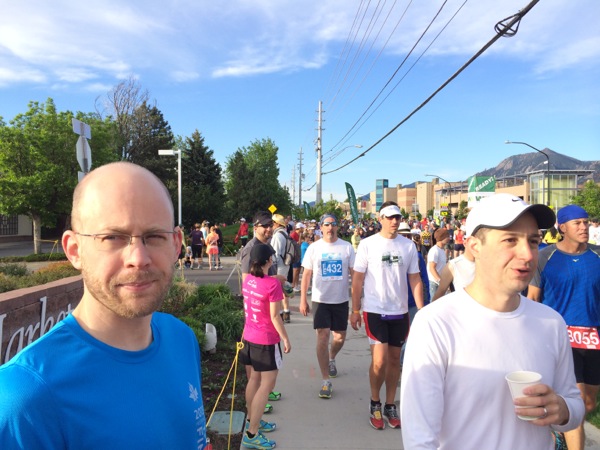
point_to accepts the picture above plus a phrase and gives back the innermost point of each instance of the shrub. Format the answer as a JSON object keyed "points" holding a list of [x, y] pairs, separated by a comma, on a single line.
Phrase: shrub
{"points": [[8, 283], [14, 270], [52, 272], [41, 257], [209, 303]]}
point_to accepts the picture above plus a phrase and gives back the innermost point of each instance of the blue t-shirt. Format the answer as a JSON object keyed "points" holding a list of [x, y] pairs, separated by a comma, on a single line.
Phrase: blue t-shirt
{"points": [[424, 279], [570, 284], [303, 247], [69, 390]]}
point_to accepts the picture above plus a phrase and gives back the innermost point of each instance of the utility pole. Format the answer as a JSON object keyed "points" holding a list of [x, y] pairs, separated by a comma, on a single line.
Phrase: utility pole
{"points": [[319, 153], [293, 184], [300, 178]]}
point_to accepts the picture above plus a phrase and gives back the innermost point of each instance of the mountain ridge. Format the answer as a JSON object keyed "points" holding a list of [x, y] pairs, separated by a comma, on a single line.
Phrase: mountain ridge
{"points": [[529, 162]]}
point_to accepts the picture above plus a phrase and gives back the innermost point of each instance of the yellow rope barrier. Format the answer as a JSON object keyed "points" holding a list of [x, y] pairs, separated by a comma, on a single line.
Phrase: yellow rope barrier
{"points": [[54, 247], [238, 347]]}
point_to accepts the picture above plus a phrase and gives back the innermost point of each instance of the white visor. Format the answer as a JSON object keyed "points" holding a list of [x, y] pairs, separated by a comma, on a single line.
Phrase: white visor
{"points": [[389, 211]]}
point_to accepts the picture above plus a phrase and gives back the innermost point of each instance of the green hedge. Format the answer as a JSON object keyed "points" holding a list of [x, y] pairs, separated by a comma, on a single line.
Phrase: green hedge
{"points": [[208, 303], [16, 276]]}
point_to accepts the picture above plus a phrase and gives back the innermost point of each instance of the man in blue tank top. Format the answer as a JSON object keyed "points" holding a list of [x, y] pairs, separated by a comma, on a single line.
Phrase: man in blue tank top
{"points": [[115, 374], [568, 280]]}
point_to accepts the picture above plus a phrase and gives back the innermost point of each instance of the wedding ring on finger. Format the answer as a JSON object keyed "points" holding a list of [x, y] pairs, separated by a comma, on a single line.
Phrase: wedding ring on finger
{"points": [[545, 413]]}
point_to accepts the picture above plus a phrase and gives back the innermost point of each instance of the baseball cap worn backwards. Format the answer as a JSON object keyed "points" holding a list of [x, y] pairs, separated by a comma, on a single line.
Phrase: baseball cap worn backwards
{"points": [[500, 211], [571, 212], [388, 211], [261, 253], [262, 218]]}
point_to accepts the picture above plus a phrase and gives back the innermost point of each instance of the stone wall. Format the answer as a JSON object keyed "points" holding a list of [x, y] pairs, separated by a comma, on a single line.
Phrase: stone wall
{"points": [[27, 314]]}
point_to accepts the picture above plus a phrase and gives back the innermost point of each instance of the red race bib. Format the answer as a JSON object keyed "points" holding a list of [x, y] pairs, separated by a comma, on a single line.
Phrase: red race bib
{"points": [[584, 337]]}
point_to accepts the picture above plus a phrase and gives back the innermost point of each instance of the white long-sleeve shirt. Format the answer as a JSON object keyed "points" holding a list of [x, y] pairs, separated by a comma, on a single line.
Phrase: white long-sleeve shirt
{"points": [[453, 392]]}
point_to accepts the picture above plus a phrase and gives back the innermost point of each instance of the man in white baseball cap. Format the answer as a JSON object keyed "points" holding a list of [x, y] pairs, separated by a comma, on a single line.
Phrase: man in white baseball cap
{"points": [[453, 391], [386, 265]]}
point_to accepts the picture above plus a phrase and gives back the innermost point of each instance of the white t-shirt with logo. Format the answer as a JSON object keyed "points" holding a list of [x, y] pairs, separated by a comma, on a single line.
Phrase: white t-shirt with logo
{"points": [[330, 264], [386, 263]]}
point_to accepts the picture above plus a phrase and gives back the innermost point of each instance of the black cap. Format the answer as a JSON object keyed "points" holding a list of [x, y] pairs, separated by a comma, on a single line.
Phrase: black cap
{"points": [[261, 253], [262, 218]]}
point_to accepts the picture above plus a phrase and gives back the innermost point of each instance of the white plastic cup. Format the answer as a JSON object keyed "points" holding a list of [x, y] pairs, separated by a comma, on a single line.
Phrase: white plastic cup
{"points": [[519, 380]]}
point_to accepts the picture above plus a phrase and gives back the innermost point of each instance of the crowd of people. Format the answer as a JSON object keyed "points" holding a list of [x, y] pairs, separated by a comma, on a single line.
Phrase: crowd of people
{"points": [[499, 303]]}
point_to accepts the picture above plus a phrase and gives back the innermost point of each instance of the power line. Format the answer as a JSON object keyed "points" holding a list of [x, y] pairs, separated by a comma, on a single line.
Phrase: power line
{"points": [[405, 74], [502, 28], [395, 72]]}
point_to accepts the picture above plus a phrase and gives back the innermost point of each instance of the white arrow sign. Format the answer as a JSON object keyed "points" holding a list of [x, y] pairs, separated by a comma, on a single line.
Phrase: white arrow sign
{"points": [[84, 154], [81, 128]]}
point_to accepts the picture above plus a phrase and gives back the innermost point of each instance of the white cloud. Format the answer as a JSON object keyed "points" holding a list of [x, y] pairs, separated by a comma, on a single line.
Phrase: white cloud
{"points": [[71, 42], [184, 76]]}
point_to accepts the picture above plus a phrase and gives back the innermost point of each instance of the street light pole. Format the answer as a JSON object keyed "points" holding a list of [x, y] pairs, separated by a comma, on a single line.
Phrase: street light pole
{"points": [[449, 190], [546, 193], [177, 152]]}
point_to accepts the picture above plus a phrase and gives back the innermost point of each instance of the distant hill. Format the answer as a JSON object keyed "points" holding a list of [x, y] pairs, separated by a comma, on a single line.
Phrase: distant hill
{"points": [[529, 162]]}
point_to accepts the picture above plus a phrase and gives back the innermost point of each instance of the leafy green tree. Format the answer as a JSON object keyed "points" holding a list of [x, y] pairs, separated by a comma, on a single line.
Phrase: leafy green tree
{"points": [[462, 210], [203, 193], [251, 181], [589, 198], [38, 164], [331, 207]]}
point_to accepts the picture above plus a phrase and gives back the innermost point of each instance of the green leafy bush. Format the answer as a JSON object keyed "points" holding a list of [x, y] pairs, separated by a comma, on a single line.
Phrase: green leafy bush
{"points": [[41, 257], [14, 270], [14, 278], [8, 283], [209, 303]]}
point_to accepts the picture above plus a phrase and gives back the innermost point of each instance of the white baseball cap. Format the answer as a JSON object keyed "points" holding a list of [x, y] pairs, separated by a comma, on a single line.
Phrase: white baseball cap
{"points": [[501, 210]]}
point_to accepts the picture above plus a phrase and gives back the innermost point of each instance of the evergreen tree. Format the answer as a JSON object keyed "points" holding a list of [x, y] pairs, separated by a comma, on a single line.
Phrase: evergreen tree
{"points": [[202, 185]]}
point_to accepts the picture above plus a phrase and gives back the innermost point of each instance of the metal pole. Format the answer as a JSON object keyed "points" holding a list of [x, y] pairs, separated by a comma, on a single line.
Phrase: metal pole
{"points": [[319, 158], [179, 183]]}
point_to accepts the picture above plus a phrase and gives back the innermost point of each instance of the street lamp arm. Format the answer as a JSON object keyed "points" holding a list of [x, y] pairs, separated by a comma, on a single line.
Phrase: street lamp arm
{"points": [[547, 162]]}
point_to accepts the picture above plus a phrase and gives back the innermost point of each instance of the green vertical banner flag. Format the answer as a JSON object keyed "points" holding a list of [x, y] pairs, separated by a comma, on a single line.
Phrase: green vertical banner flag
{"points": [[352, 201], [306, 209]]}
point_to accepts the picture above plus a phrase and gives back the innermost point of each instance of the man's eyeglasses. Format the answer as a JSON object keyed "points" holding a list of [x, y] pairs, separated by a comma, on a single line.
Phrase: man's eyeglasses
{"points": [[394, 217], [329, 224], [268, 225], [111, 242]]}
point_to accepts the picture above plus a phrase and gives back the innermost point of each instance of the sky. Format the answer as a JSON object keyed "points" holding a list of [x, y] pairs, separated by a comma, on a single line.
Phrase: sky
{"points": [[241, 71]]}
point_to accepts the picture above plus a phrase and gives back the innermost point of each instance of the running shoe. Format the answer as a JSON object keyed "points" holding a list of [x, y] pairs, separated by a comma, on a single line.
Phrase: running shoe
{"points": [[390, 413], [259, 442], [376, 420], [268, 409], [264, 426], [274, 396], [326, 389], [332, 369]]}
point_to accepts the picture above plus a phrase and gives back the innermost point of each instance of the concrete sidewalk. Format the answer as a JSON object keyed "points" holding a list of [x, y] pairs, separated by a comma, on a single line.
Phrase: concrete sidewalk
{"points": [[305, 421]]}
